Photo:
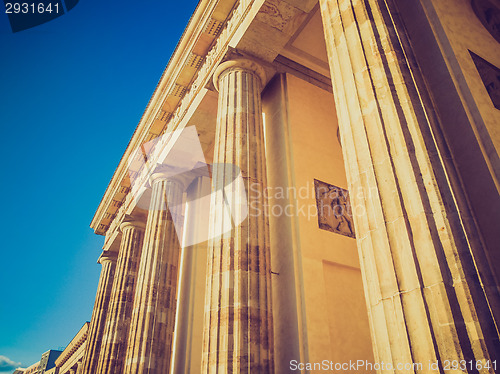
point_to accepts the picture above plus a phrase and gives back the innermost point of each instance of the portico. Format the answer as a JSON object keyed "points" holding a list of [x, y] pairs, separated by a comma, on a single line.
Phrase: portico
{"points": [[202, 271]]}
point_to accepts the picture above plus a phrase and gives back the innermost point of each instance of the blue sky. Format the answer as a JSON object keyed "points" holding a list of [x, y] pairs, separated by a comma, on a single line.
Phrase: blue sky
{"points": [[72, 92]]}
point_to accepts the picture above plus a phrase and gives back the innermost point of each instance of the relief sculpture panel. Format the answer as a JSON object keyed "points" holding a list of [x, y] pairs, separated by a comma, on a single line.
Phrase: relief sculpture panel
{"points": [[334, 209]]}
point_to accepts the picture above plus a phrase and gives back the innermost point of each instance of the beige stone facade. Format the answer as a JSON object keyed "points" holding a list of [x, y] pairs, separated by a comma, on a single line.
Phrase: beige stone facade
{"points": [[337, 203], [32, 368], [71, 359]]}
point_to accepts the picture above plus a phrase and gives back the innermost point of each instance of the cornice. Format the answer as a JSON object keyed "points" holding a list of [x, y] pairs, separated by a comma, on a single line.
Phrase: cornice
{"points": [[74, 344]]}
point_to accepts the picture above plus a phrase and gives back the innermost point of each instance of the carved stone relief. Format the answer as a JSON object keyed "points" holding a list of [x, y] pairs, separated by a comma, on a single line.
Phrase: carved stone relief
{"points": [[334, 209]]}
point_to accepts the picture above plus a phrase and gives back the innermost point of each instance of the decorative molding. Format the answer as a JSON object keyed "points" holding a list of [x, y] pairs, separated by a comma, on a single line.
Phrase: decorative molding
{"points": [[178, 90], [195, 61], [162, 115], [213, 28], [78, 340]]}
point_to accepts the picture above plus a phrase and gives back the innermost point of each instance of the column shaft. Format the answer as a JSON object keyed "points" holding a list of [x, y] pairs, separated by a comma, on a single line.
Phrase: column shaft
{"points": [[79, 367], [425, 299], [152, 326], [121, 301], [97, 322], [238, 319], [190, 297]]}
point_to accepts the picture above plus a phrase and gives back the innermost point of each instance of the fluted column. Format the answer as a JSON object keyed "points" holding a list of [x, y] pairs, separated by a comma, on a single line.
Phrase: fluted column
{"points": [[238, 319], [425, 299], [189, 307], [79, 367], [97, 322], [114, 343], [152, 326]]}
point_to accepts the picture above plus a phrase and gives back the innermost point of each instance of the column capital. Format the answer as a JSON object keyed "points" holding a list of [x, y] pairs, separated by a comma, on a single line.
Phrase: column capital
{"points": [[107, 256], [132, 222], [240, 64], [170, 174]]}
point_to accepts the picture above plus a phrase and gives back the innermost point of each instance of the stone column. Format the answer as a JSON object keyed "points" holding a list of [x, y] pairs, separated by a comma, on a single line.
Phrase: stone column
{"points": [[149, 345], [189, 310], [238, 320], [114, 343], [79, 367], [424, 296], [97, 322]]}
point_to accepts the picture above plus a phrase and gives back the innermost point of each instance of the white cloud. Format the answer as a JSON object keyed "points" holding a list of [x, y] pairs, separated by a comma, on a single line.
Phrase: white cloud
{"points": [[6, 364]]}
